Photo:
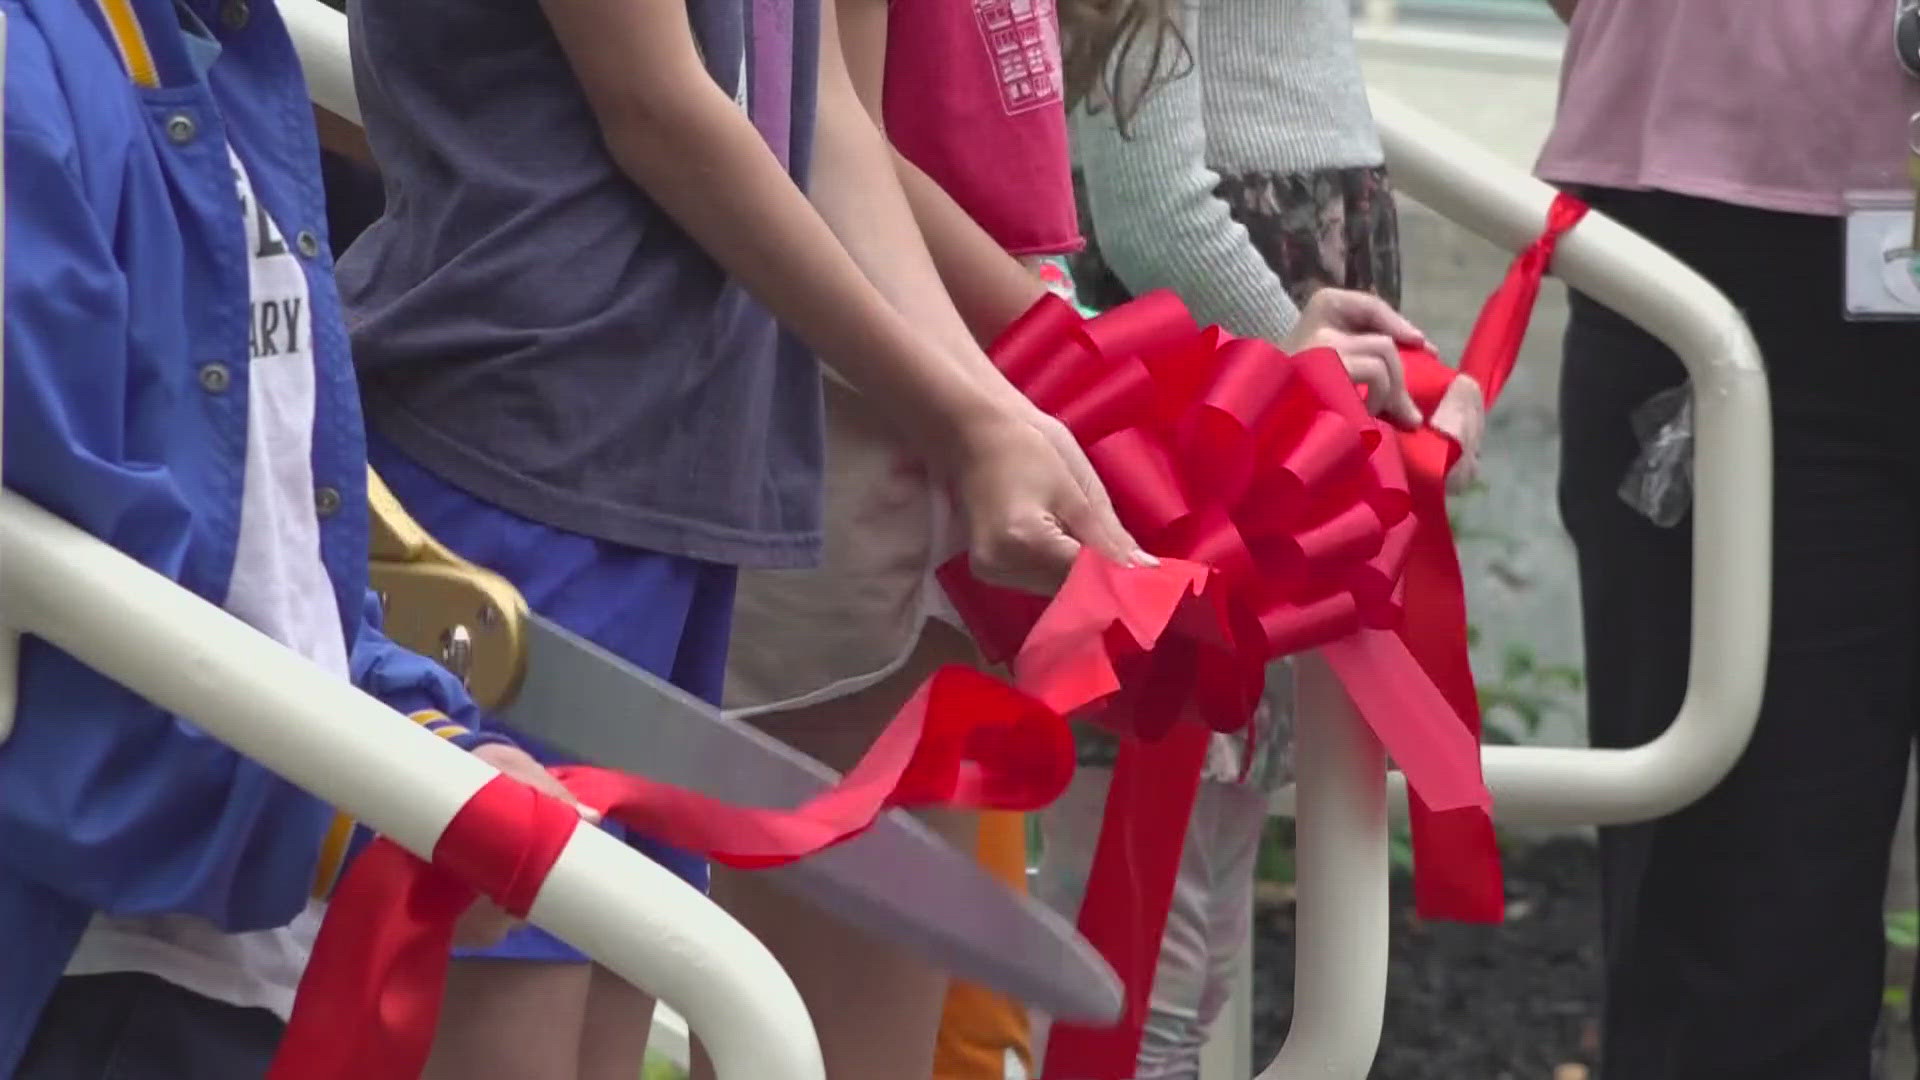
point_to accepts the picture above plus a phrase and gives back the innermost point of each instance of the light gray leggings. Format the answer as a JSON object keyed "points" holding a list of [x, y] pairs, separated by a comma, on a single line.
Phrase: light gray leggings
{"points": [[1207, 927]]}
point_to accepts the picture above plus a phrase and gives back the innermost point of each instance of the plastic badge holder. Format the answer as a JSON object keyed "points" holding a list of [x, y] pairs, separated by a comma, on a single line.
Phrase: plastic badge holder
{"points": [[1660, 483], [1882, 266]]}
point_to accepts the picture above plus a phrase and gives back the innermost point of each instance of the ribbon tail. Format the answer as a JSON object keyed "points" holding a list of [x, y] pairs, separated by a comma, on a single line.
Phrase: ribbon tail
{"points": [[1129, 893], [1440, 757], [369, 1000], [1456, 859], [1456, 865]]}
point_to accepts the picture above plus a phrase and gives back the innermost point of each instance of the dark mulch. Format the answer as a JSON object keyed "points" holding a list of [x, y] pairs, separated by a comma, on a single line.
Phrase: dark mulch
{"points": [[1511, 1002]]}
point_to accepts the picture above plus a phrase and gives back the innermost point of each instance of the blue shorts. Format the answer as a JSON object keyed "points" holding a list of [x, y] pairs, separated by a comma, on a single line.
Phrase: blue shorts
{"points": [[670, 615]]}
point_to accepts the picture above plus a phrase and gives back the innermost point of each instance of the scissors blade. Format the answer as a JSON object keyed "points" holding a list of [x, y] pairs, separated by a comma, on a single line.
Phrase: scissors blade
{"points": [[898, 880]]}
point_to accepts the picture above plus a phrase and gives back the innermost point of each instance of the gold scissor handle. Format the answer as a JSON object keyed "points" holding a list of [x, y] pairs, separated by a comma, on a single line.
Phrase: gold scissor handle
{"points": [[442, 606]]}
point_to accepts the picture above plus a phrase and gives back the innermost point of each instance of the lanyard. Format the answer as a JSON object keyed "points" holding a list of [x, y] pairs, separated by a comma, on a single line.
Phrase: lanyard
{"points": [[1906, 35]]}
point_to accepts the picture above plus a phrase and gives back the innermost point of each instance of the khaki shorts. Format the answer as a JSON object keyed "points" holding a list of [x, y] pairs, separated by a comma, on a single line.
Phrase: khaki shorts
{"points": [[805, 636]]}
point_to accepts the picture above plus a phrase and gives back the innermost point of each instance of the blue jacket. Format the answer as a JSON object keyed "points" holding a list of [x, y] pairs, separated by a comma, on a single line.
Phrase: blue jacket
{"points": [[126, 280]]}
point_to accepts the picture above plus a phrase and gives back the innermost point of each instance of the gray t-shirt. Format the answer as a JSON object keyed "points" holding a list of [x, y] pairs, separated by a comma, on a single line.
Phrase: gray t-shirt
{"points": [[531, 327]]}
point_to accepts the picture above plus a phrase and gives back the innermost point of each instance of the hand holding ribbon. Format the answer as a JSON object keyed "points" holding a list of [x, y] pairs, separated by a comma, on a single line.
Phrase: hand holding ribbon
{"points": [[1266, 471], [1201, 451]]}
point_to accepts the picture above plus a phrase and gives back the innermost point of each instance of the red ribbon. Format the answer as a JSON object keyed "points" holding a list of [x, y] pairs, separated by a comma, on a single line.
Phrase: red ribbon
{"points": [[370, 997], [1197, 437], [1457, 860], [1294, 524], [1266, 470]]}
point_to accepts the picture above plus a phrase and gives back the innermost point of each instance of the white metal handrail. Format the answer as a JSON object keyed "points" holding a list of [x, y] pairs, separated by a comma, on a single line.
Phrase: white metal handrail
{"points": [[1340, 968], [186, 655]]}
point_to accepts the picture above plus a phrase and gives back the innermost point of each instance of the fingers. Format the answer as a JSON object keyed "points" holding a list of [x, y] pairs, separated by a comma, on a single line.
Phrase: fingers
{"points": [[1037, 561], [1461, 415], [1373, 360], [1094, 522], [1365, 313], [1036, 554], [520, 765]]}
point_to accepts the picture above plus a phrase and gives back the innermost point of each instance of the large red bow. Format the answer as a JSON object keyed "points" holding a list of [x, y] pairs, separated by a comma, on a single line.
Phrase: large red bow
{"points": [[1267, 470], [371, 994]]}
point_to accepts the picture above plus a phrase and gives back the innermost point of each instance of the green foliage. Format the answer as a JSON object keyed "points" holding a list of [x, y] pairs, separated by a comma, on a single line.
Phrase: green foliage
{"points": [[1903, 932], [1525, 693], [1400, 847], [1275, 862], [659, 1068], [1903, 929]]}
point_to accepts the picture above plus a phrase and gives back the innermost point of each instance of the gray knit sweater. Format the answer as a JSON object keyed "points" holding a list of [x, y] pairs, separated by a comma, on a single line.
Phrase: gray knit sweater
{"points": [[1275, 87]]}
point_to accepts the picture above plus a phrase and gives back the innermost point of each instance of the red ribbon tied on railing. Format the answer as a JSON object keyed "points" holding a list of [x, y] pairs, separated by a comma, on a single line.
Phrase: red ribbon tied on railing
{"points": [[370, 997], [1267, 470], [1456, 867]]}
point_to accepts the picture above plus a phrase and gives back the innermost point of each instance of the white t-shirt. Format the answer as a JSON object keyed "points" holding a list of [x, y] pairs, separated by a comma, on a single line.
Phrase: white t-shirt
{"points": [[280, 587]]}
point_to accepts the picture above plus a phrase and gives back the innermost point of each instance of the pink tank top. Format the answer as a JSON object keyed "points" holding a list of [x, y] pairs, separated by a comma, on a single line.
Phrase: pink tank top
{"points": [[1776, 104], [973, 97]]}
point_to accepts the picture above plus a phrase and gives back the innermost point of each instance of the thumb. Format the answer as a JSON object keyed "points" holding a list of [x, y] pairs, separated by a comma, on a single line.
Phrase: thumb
{"points": [[1403, 412], [1366, 313]]}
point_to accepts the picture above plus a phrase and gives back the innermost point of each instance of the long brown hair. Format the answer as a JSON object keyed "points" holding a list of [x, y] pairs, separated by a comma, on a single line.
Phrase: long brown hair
{"points": [[1097, 42]]}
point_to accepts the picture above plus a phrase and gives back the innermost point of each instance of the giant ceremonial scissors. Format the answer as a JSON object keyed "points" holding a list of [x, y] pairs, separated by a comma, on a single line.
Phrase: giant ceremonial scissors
{"points": [[898, 879]]}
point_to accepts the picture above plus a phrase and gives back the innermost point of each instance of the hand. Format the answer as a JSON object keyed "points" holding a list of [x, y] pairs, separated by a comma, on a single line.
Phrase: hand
{"points": [[1462, 413], [1031, 499], [1368, 335], [484, 924]]}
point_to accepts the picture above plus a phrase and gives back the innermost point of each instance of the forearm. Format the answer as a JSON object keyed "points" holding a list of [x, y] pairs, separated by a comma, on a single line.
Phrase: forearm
{"points": [[1563, 8], [859, 196], [984, 286], [989, 288], [702, 161]]}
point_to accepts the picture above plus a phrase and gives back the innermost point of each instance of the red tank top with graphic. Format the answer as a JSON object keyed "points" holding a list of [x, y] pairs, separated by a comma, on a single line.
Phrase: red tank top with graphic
{"points": [[973, 97]]}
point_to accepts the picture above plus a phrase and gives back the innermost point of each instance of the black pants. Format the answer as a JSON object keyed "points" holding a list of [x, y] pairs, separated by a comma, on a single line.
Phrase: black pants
{"points": [[130, 1026], [1743, 935]]}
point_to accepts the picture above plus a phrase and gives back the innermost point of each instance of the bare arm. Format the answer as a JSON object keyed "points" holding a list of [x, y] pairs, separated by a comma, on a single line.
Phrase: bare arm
{"points": [[682, 139], [989, 287], [1563, 8], [858, 190]]}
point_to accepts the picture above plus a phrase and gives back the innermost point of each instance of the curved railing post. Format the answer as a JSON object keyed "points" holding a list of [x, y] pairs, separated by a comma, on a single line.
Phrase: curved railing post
{"points": [[188, 656], [1340, 973], [1341, 911]]}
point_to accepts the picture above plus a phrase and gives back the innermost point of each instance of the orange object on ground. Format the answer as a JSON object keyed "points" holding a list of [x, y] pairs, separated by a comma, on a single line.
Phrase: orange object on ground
{"points": [[978, 1026]]}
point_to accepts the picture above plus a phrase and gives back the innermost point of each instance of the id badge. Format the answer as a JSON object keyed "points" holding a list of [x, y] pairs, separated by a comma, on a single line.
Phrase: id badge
{"points": [[1883, 243], [1883, 265]]}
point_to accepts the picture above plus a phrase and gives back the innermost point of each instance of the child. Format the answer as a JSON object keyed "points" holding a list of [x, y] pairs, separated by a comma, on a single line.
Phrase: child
{"points": [[825, 656], [1254, 187], [177, 384], [566, 325]]}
